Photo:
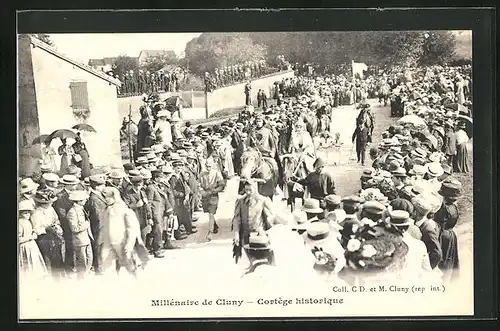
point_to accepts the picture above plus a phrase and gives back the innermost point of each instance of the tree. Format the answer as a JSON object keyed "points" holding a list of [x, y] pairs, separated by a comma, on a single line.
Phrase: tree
{"points": [[44, 37], [157, 62], [213, 50], [438, 47], [124, 64]]}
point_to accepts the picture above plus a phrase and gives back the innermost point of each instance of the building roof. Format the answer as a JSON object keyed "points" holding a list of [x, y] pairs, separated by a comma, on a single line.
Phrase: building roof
{"points": [[49, 49], [148, 53]]}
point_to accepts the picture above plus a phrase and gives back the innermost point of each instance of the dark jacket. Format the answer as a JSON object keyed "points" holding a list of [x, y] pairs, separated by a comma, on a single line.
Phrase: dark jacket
{"points": [[131, 196], [430, 237], [95, 207], [160, 206]]}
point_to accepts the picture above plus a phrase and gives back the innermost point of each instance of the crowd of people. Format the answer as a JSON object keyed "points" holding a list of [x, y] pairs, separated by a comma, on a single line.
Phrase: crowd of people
{"points": [[398, 227], [405, 209], [145, 82]]}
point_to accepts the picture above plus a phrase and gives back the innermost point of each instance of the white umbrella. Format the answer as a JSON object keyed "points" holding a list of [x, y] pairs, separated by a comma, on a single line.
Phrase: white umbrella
{"points": [[413, 119]]}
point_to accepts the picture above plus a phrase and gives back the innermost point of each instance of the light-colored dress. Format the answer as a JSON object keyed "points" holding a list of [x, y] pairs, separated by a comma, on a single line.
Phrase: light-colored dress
{"points": [[66, 153], [163, 132], [31, 262], [226, 151], [48, 157], [302, 144]]}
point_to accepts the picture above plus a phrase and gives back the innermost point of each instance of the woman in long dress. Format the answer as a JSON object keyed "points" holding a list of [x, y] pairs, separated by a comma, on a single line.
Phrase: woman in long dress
{"points": [[447, 217], [461, 162], [226, 154], [30, 259], [211, 184], [84, 160], [66, 152], [50, 238], [48, 156]]}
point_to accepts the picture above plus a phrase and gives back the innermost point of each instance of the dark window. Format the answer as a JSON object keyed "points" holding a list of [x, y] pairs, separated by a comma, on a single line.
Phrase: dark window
{"points": [[79, 95]]}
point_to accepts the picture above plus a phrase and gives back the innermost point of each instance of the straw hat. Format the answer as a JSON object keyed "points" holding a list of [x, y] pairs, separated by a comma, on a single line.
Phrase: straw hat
{"points": [[69, 180], [25, 205], [399, 218], [27, 185], [78, 195], [434, 169], [311, 206], [257, 242]]}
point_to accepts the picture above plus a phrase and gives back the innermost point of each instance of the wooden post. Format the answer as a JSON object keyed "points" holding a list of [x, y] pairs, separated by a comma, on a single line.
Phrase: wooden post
{"points": [[206, 104], [130, 154]]}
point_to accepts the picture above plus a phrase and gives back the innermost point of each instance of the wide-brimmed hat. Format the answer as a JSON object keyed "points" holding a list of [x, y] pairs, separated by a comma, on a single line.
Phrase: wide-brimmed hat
{"points": [[27, 185], [163, 113], [77, 195], [25, 205], [136, 179], [373, 207], [69, 180], [451, 188], [434, 169], [45, 167], [50, 177], [311, 206], [368, 173], [399, 172], [317, 234], [72, 170], [44, 196], [352, 200], [97, 180], [134, 172], [115, 174], [333, 200], [141, 160], [421, 204], [417, 170], [399, 218], [257, 242], [167, 169], [157, 149], [145, 150], [419, 152]]}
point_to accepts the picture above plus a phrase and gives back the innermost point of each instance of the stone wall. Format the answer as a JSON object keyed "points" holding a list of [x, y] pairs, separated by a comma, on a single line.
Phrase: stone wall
{"points": [[52, 76], [28, 128], [234, 96]]}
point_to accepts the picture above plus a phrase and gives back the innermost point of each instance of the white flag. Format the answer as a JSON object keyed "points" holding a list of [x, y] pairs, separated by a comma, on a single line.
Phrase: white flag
{"points": [[358, 68]]}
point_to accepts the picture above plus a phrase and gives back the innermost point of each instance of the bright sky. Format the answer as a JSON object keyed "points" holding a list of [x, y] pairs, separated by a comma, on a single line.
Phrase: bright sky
{"points": [[83, 47]]}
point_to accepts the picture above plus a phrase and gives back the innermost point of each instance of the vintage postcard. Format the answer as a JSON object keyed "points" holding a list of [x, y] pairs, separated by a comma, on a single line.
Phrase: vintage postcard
{"points": [[245, 174]]}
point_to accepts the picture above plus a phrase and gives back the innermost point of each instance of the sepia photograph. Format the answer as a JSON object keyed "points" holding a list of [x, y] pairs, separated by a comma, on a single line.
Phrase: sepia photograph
{"points": [[245, 174]]}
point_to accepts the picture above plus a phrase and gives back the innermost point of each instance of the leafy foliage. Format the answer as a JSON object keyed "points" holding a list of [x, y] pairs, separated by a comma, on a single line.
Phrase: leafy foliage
{"points": [[212, 50], [44, 37], [157, 62], [322, 48], [124, 64]]}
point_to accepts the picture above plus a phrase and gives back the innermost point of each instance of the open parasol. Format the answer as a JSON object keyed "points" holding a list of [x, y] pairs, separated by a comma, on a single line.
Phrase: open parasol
{"points": [[41, 139], [84, 127], [62, 134], [412, 119]]}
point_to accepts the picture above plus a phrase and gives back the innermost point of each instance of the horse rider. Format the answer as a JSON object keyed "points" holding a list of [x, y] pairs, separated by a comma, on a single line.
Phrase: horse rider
{"points": [[302, 146], [265, 141]]}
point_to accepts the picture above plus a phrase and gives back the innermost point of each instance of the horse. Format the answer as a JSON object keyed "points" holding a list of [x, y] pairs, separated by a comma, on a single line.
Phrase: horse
{"points": [[292, 168], [254, 165]]}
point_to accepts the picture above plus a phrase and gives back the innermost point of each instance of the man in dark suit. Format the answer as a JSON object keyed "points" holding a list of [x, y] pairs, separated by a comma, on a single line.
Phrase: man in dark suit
{"points": [[237, 144], [450, 142], [181, 192], [159, 209], [135, 198], [62, 205], [95, 208], [361, 137]]}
